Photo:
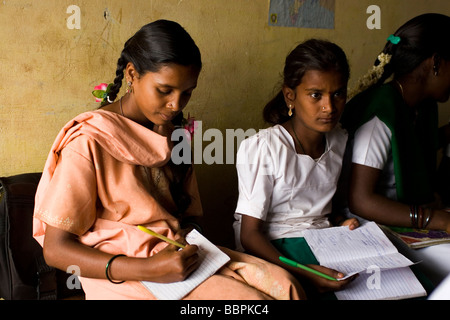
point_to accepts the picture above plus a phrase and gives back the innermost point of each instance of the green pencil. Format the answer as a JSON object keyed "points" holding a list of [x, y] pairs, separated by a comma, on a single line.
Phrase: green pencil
{"points": [[301, 266]]}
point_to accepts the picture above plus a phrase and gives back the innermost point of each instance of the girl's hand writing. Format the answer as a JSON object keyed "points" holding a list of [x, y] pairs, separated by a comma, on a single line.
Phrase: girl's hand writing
{"points": [[171, 264]]}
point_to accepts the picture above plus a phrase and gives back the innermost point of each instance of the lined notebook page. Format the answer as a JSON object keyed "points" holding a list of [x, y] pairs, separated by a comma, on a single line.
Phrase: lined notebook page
{"points": [[212, 259], [394, 284], [358, 251], [353, 251]]}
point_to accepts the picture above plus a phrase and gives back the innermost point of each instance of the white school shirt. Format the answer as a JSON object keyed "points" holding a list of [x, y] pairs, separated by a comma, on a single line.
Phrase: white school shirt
{"points": [[372, 148], [290, 192]]}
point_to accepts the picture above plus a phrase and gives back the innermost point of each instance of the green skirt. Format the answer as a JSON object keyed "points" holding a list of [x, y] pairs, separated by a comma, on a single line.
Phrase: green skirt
{"points": [[297, 249]]}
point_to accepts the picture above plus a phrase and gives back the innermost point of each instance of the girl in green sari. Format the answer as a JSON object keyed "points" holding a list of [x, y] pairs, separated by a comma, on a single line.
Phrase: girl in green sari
{"points": [[394, 137]]}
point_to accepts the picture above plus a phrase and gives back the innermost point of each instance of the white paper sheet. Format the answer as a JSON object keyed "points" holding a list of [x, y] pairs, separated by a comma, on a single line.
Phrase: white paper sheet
{"points": [[212, 260]]}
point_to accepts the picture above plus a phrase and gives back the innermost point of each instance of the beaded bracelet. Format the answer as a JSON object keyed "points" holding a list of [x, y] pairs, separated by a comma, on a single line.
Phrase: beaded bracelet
{"points": [[107, 269]]}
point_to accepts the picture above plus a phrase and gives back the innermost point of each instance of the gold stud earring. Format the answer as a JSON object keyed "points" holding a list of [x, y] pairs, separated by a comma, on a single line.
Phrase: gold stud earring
{"points": [[290, 110]]}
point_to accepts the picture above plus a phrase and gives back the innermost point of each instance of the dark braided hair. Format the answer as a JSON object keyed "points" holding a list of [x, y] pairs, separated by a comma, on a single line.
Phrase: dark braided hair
{"points": [[420, 38], [313, 54], [155, 45]]}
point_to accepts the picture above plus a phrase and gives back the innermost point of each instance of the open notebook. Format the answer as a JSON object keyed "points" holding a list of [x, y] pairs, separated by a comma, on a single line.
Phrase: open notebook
{"points": [[384, 273], [212, 260]]}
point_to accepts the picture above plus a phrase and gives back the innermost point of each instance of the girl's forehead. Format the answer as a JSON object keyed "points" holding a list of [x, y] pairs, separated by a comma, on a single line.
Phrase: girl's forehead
{"points": [[323, 77], [174, 75]]}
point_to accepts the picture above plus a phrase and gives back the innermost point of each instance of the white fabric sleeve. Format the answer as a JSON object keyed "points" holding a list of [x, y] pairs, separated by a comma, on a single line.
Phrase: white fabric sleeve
{"points": [[255, 178], [372, 144]]}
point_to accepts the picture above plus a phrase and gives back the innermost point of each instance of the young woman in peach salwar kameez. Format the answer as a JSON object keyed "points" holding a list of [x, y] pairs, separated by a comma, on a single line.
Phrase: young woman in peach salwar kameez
{"points": [[110, 170]]}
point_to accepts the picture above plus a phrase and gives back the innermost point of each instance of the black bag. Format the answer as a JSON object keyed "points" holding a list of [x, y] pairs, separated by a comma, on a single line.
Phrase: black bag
{"points": [[23, 271]]}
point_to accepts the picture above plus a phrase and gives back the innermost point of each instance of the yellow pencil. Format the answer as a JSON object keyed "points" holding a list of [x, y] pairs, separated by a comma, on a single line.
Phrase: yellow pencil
{"points": [[160, 236]]}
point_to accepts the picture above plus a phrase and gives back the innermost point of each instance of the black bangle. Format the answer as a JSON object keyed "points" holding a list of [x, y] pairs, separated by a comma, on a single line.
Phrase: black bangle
{"points": [[107, 269], [194, 225]]}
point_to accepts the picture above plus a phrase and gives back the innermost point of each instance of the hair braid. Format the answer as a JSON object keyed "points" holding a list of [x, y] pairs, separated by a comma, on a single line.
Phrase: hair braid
{"points": [[117, 84]]}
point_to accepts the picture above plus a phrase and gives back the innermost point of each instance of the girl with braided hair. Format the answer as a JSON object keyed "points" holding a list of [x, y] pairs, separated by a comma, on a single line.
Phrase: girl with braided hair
{"points": [[110, 170], [394, 136]]}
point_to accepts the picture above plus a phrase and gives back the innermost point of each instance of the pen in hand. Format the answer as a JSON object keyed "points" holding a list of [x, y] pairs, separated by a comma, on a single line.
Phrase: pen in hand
{"points": [[160, 236]]}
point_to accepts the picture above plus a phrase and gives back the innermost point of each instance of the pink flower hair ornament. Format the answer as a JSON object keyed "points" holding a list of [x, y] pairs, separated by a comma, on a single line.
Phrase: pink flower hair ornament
{"points": [[101, 92]]}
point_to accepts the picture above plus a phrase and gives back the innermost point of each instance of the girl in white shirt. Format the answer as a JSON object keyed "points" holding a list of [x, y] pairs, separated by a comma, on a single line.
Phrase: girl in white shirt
{"points": [[288, 173]]}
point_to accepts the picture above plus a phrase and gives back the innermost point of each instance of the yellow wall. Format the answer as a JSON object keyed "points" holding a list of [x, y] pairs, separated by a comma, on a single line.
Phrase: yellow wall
{"points": [[48, 71]]}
